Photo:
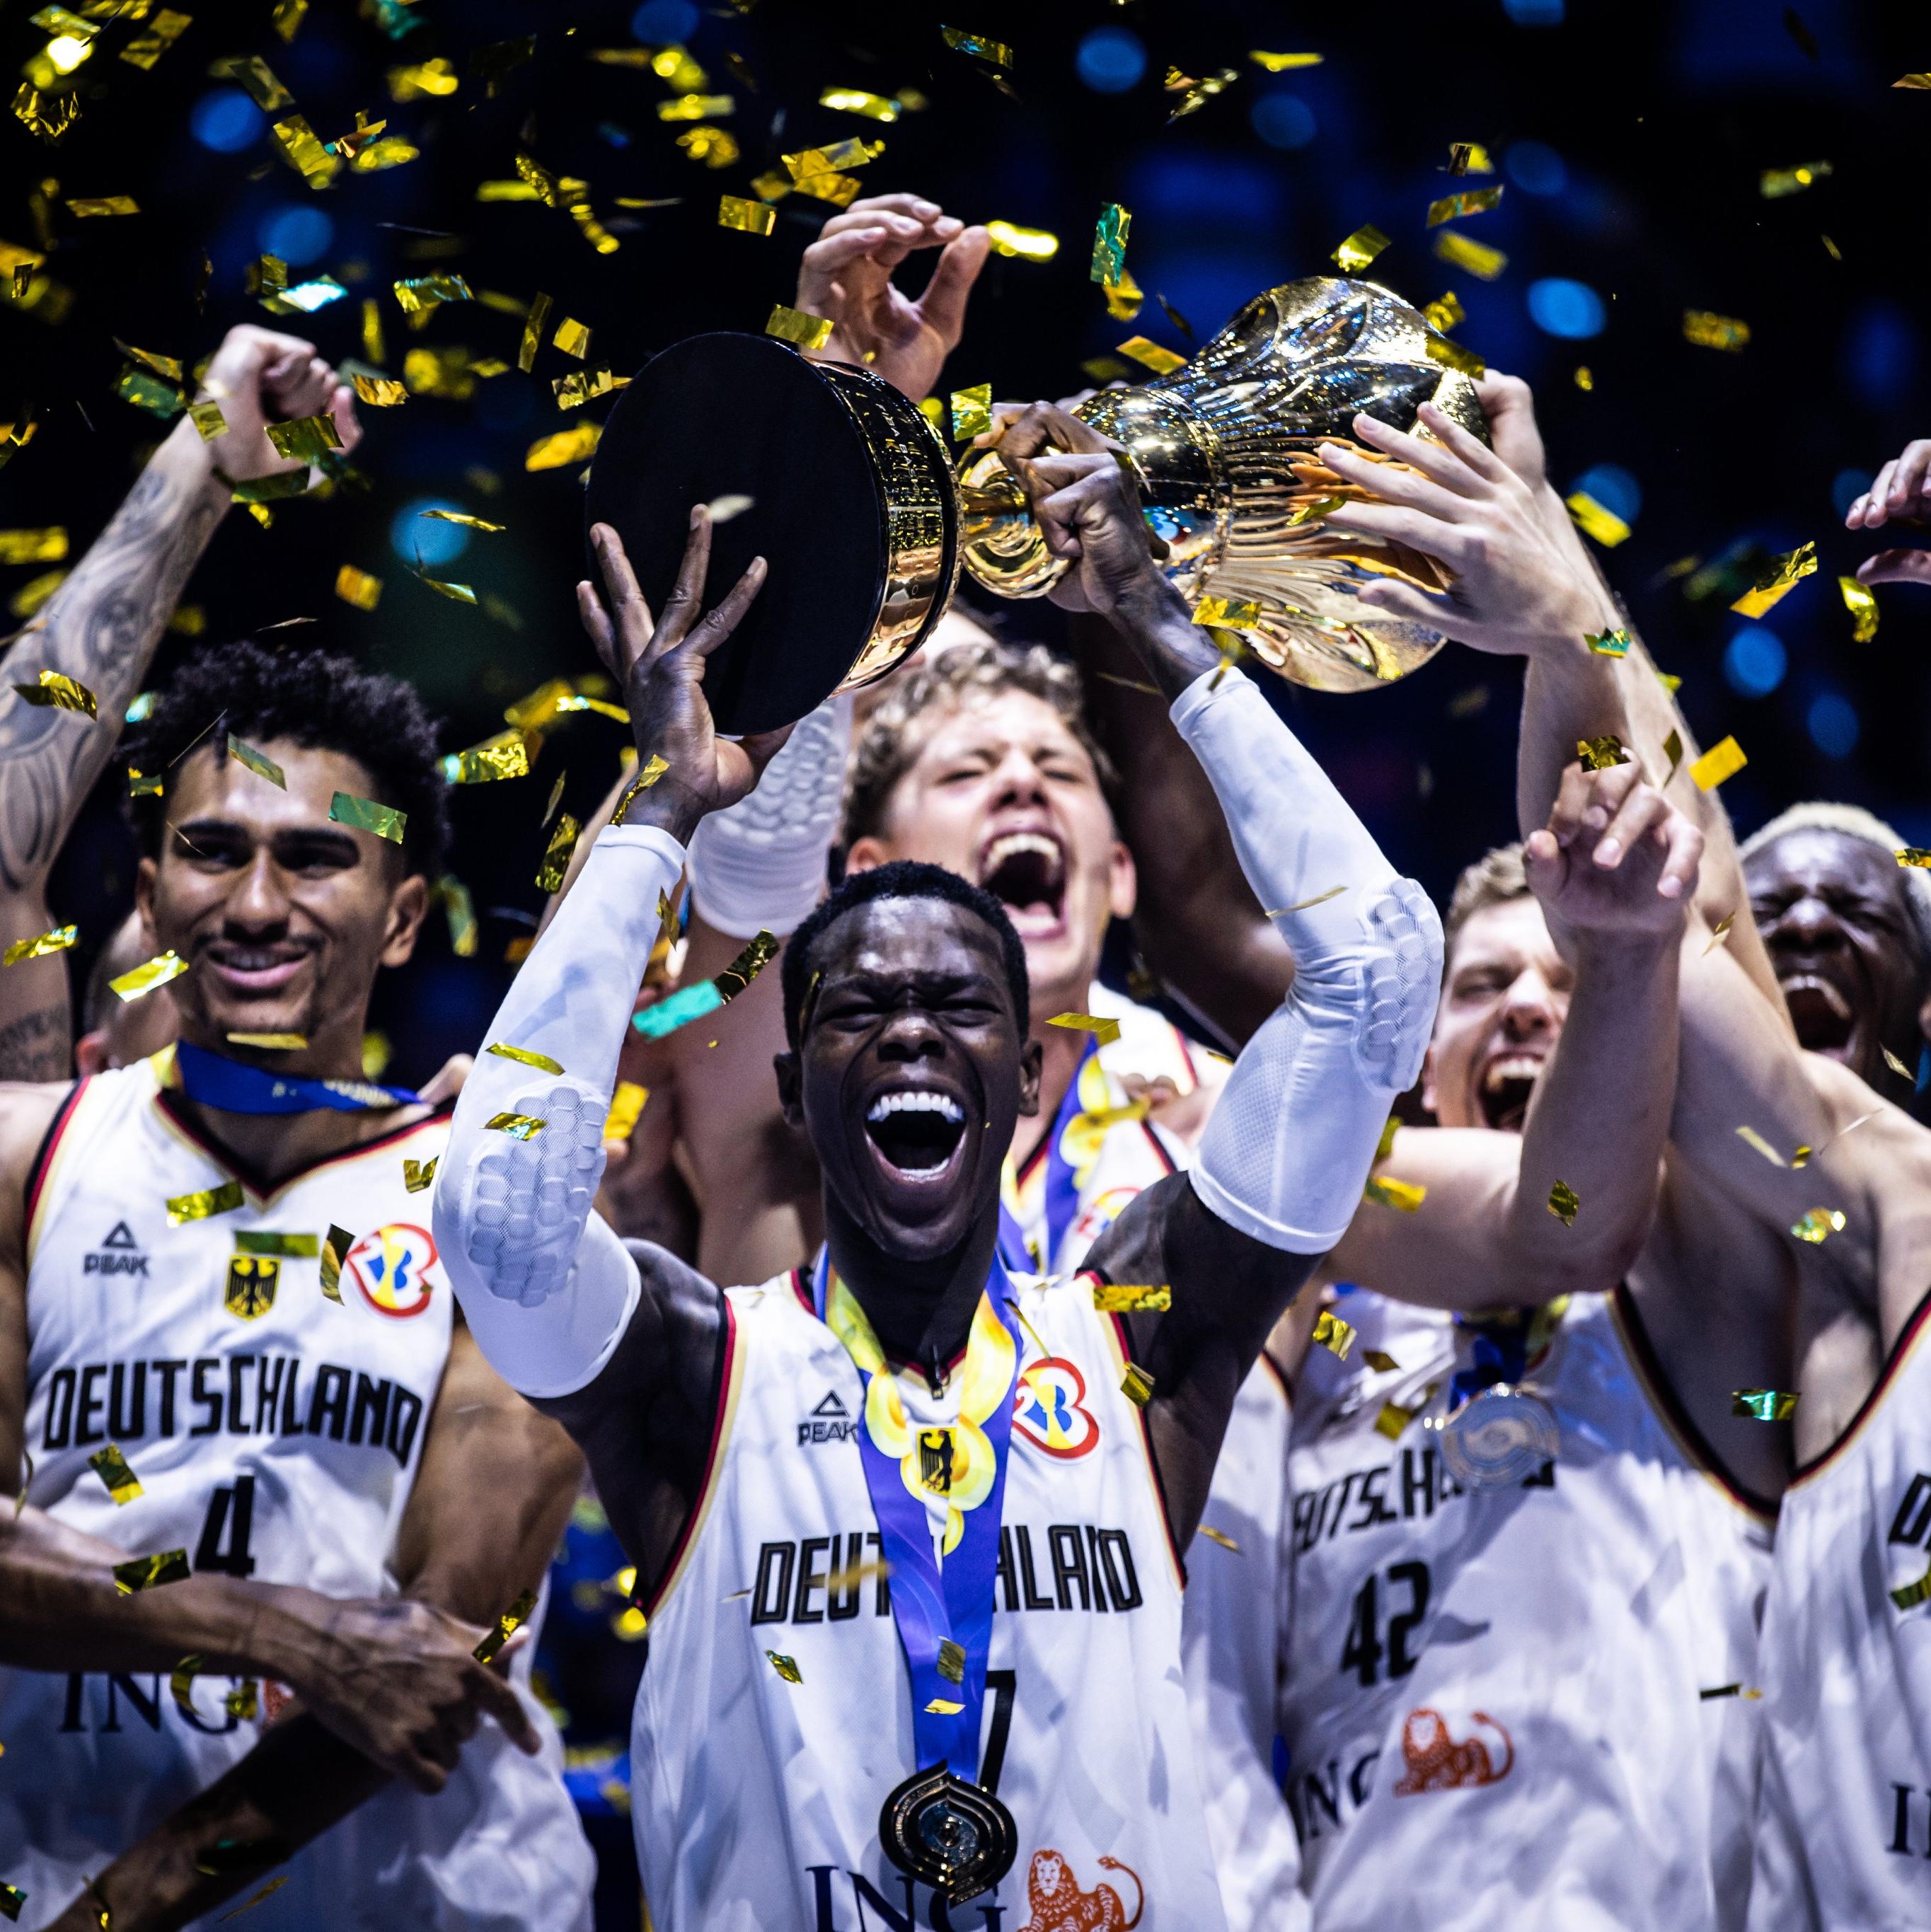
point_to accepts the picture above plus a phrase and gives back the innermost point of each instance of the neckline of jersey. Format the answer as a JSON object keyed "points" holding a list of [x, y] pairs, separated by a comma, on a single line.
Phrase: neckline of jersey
{"points": [[1908, 1337]]}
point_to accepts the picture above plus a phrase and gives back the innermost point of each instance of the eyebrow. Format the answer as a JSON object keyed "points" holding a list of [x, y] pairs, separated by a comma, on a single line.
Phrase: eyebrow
{"points": [[323, 837]]}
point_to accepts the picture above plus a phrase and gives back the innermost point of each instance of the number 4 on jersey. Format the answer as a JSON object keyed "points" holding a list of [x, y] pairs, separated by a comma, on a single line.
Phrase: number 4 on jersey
{"points": [[1364, 1649], [232, 1509]]}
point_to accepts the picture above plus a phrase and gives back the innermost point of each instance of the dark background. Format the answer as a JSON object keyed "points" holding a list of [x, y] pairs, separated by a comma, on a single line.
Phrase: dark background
{"points": [[1629, 139]]}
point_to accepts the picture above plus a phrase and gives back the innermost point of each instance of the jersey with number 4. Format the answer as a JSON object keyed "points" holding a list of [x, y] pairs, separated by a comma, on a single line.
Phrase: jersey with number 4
{"points": [[1517, 1707], [273, 1432]]}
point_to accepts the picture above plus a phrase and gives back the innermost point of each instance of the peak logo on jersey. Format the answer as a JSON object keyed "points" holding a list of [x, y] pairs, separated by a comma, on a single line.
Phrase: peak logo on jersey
{"points": [[1437, 1761], [119, 1253], [1056, 1902], [1048, 1410], [391, 1267], [829, 1421], [251, 1285]]}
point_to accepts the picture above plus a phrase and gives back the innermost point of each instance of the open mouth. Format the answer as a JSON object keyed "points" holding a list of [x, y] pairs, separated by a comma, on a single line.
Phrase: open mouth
{"points": [[1507, 1089], [1026, 872], [917, 1132], [1821, 1014]]}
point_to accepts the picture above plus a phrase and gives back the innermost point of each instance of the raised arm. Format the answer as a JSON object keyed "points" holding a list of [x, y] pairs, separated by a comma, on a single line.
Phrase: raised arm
{"points": [[100, 629]]}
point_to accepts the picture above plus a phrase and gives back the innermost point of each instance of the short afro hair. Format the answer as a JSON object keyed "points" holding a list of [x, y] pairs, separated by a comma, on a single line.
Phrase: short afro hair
{"points": [[902, 879], [314, 699]]}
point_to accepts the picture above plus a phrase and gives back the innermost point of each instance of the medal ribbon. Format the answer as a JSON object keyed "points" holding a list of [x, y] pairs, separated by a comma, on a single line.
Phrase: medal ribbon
{"points": [[1503, 1343], [938, 1604], [233, 1088], [1062, 1185]]}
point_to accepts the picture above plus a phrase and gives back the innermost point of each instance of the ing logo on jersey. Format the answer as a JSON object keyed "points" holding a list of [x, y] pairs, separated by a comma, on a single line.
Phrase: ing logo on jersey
{"points": [[391, 1268], [1048, 1410], [251, 1286]]}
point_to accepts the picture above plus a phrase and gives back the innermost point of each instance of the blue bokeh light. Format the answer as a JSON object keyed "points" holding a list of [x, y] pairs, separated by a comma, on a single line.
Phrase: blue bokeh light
{"points": [[664, 20], [299, 234], [417, 538], [1110, 60], [1283, 120], [1833, 722], [1614, 487], [1536, 168], [1755, 661], [1534, 13], [226, 120], [1846, 487], [1560, 307], [1881, 355]]}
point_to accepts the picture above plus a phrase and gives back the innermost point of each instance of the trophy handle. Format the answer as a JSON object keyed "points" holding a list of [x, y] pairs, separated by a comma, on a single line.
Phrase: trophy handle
{"points": [[1000, 539]]}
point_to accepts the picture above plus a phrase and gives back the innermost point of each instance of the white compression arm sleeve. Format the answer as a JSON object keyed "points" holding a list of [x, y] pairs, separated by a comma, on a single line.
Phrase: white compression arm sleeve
{"points": [[760, 865], [1289, 1146], [547, 1289]]}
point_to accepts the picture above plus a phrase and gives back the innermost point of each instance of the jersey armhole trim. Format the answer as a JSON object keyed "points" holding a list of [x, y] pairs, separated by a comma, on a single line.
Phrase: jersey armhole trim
{"points": [[730, 1379], [42, 1166], [1114, 1328], [1628, 1321], [1908, 1337]]}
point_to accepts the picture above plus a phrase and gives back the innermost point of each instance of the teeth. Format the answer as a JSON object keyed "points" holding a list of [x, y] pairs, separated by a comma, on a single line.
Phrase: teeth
{"points": [[920, 1102], [1809, 982], [1517, 1066], [1013, 843]]}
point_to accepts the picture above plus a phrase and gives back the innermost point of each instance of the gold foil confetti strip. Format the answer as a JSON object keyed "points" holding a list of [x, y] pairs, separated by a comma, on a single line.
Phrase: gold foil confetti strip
{"points": [[1481, 261], [1124, 299], [254, 1899], [1110, 243], [1238, 614], [1563, 1204], [1597, 520], [1895, 1065], [1723, 760], [944, 1707], [982, 48], [745, 967], [47, 546], [1599, 755], [182, 1208], [1584, 379], [1778, 581], [169, 366], [1030, 244], [541, 1061], [517, 1127], [163, 30], [366, 815], [626, 1107], [1719, 932], [1914, 855], [1331, 1333], [424, 291], [1468, 158], [1219, 1537], [1470, 201], [1393, 1419], [251, 72], [1816, 1224], [654, 769], [149, 974], [334, 1253], [302, 148], [149, 1573], [434, 77], [572, 338], [511, 1621], [1608, 644], [575, 701], [752, 218], [1360, 248], [1708, 331], [1380, 1361], [1106, 1031], [1763, 1404], [93, 206], [417, 1175], [720, 510], [463, 518], [785, 1666], [1283, 63], [856, 101], [1444, 312], [533, 326], [243, 1702], [562, 447], [143, 785], [1136, 1385], [971, 412], [1774, 184], [505, 756], [841, 191], [1454, 356], [181, 1681], [147, 391], [809, 332], [358, 587], [1863, 607], [263, 767], [1390, 1129], [208, 419], [1752, 1138], [1727, 1691], [457, 593], [1909, 1596], [1119, 1298], [1312, 513], [280, 1042], [696, 107], [1673, 749], [286, 19], [581, 386], [41, 946], [111, 1466], [1405, 1195], [557, 854], [1920, 81], [1162, 361], [951, 1665], [48, 116]]}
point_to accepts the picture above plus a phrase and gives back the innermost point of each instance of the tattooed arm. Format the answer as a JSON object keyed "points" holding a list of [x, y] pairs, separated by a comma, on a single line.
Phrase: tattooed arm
{"points": [[101, 628]]}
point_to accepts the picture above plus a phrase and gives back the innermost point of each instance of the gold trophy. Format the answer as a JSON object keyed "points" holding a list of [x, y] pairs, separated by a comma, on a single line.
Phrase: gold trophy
{"points": [[1226, 451]]}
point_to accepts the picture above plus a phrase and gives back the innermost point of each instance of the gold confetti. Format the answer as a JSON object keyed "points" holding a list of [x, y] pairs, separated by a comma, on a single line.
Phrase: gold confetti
{"points": [[978, 45], [1774, 184], [1597, 520], [11, 1900], [1380, 1360], [1393, 1419], [603, 708], [1763, 1404], [1777, 582], [1105, 1030], [578, 387], [1714, 331], [1360, 248], [1226, 610], [1563, 1204], [833, 158], [511, 1620], [1442, 313], [505, 756], [435, 77], [809, 332], [263, 767], [358, 587], [1453, 355], [1331, 1333], [752, 218], [1608, 644], [517, 1127], [1720, 931], [1914, 855], [1917, 80], [1468, 158], [1723, 760], [627, 1107], [1673, 746], [1110, 243], [248, 1904], [564, 446], [1161, 362], [1752, 1138], [417, 1175], [1120, 1298], [1309, 513], [1863, 607], [208, 418], [41, 946], [284, 1042], [149, 1573], [149, 974], [303, 149], [654, 769], [1282, 63], [785, 1666], [463, 518], [541, 1061], [163, 30], [951, 1664], [1219, 1537], [1030, 244], [1583, 379], [334, 1253], [1483, 263], [1816, 1224], [1136, 1385], [1727, 1691], [47, 546], [50, 118], [1406, 1196], [111, 1466], [182, 1208], [112, 204], [366, 815], [242, 1703], [1470, 201], [572, 338], [1597, 755], [255, 75], [557, 854], [856, 101]]}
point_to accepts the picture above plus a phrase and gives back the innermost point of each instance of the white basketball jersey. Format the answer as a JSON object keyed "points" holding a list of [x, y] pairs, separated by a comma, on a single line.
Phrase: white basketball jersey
{"points": [[275, 1434], [1236, 1602], [1844, 1830], [756, 1797], [1496, 1712]]}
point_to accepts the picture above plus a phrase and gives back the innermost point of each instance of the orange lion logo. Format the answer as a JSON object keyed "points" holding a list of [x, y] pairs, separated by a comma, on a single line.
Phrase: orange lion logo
{"points": [[1438, 1763], [1057, 1904]]}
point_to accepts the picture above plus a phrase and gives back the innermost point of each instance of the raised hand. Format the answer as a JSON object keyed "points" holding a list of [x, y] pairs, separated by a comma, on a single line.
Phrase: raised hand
{"points": [[846, 276], [259, 377], [1901, 492], [1615, 858], [660, 664]]}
